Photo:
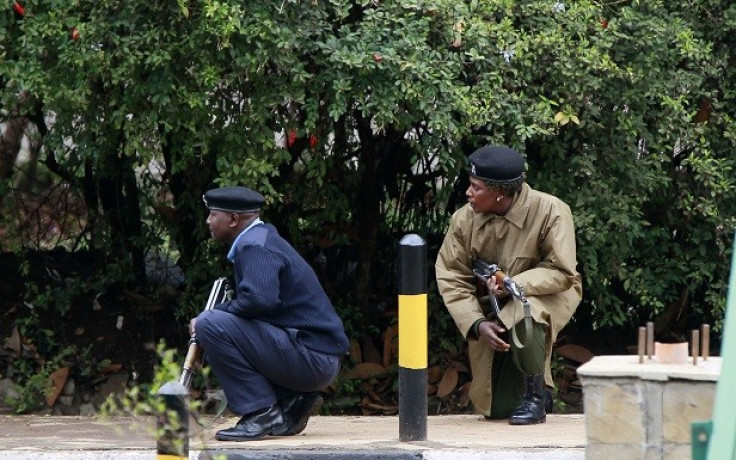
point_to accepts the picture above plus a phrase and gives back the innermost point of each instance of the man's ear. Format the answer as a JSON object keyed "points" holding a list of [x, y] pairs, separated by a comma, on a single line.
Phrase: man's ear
{"points": [[234, 220]]}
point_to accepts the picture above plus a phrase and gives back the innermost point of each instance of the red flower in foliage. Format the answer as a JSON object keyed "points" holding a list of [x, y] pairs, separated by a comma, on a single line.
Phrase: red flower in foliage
{"points": [[291, 137], [19, 8]]}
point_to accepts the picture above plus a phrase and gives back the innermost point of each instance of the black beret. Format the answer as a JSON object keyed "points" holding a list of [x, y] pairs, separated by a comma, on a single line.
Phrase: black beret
{"points": [[498, 164], [239, 200]]}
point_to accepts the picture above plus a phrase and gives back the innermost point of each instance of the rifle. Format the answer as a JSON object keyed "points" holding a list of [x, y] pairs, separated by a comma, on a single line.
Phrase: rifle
{"points": [[483, 271], [219, 293]]}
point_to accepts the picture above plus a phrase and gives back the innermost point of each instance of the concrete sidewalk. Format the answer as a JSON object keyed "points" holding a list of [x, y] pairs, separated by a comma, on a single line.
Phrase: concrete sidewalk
{"points": [[461, 437]]}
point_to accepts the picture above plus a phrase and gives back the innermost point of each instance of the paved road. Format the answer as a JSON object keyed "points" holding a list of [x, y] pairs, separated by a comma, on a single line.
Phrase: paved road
{"points": [[451, 437]]}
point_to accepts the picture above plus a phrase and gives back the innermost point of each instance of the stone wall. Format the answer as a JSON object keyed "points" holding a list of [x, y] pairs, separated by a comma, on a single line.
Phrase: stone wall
{"points": [[642, 411]]}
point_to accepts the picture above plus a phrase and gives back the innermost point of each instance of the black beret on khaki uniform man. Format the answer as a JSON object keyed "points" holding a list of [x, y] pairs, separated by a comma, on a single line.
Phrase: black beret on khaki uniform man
{"points": [[530, 236]]}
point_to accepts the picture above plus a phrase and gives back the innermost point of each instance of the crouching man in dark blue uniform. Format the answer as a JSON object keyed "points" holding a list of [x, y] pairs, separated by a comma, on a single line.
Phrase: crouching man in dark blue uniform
{"points": [[279, 340]]}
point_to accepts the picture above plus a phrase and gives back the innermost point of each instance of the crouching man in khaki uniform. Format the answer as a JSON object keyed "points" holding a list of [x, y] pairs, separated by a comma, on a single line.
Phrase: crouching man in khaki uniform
{"points": [[530, 235]]}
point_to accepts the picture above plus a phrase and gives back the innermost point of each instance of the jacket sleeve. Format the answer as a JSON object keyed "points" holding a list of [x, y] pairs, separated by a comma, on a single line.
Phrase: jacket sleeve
{"points": [[257, 275], [455, 280], [556, 271]]}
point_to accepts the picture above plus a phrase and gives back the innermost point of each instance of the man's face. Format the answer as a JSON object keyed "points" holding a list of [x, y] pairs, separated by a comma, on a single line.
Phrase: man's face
{"points": [[484, 199], [221, 225]]}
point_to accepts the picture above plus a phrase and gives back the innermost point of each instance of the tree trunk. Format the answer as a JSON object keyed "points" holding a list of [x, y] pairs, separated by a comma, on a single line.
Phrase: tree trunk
{"points": [[11, 137], [120, 202]]}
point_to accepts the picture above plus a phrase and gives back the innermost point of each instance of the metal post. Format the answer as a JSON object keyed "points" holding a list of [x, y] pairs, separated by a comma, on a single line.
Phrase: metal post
{"points": [[412, 338], [650, 339], [695, 346], [172, 425], [705, 338]]}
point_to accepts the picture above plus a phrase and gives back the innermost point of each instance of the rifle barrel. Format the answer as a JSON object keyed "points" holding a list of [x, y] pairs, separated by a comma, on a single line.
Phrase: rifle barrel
{"points": [[218, 293]]}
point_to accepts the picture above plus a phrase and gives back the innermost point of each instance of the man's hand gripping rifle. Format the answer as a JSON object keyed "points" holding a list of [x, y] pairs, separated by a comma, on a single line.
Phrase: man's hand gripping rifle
{"points": [[484, 271], [219, 293]]}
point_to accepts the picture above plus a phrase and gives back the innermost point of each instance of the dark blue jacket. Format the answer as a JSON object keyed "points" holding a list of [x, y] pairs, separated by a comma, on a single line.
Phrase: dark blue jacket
{"points": [[276, 285]]}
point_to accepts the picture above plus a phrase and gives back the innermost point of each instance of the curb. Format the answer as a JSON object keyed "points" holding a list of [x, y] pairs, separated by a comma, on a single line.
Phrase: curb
{"points": [[395, 454], [324, 454]]}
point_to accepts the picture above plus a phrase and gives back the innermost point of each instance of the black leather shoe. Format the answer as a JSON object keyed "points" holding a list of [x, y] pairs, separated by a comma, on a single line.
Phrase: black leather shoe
{"points": [[531, 410], [254, 425], [297, 409]]}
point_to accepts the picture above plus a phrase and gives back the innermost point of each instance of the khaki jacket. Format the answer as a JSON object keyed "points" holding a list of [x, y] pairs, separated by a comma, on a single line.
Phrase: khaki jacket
{"points": [[534, 243]]}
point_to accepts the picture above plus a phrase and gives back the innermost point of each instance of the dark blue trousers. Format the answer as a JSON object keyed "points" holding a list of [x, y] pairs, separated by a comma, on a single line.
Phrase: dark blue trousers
{"points": [[257, 363]]}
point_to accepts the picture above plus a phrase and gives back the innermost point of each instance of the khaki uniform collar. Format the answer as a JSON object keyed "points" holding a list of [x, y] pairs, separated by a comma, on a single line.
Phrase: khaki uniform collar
{"points": [[516, 214]]}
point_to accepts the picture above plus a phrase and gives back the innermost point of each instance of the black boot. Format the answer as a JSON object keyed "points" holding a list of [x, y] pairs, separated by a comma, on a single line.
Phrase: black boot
{"points": [[531, 410]]}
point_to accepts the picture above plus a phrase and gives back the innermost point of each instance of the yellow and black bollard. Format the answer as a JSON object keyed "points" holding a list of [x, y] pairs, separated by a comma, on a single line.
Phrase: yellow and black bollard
{"points": [[412, 338], [172, 425]]}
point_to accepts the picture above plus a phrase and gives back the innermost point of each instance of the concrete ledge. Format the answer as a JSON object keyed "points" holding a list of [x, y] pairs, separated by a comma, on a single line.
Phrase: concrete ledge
{"points": [[645, 411], [628, 366]]}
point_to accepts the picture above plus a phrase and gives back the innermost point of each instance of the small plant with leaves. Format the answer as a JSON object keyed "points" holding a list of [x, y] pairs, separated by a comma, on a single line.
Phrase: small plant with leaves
{"points": [[141, 399], [33, 380], [170, 408]]}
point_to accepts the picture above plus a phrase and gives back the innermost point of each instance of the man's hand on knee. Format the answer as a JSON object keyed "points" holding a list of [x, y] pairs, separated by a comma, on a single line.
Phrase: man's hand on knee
{"points": [[490, 332]]}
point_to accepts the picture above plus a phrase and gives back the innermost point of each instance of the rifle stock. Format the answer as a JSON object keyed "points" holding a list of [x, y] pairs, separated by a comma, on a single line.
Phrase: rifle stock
{"points": [[218, 294]]}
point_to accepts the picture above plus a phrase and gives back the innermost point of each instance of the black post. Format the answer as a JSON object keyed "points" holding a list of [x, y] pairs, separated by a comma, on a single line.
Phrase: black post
{"points": [[412, 339], [172, 425]]}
